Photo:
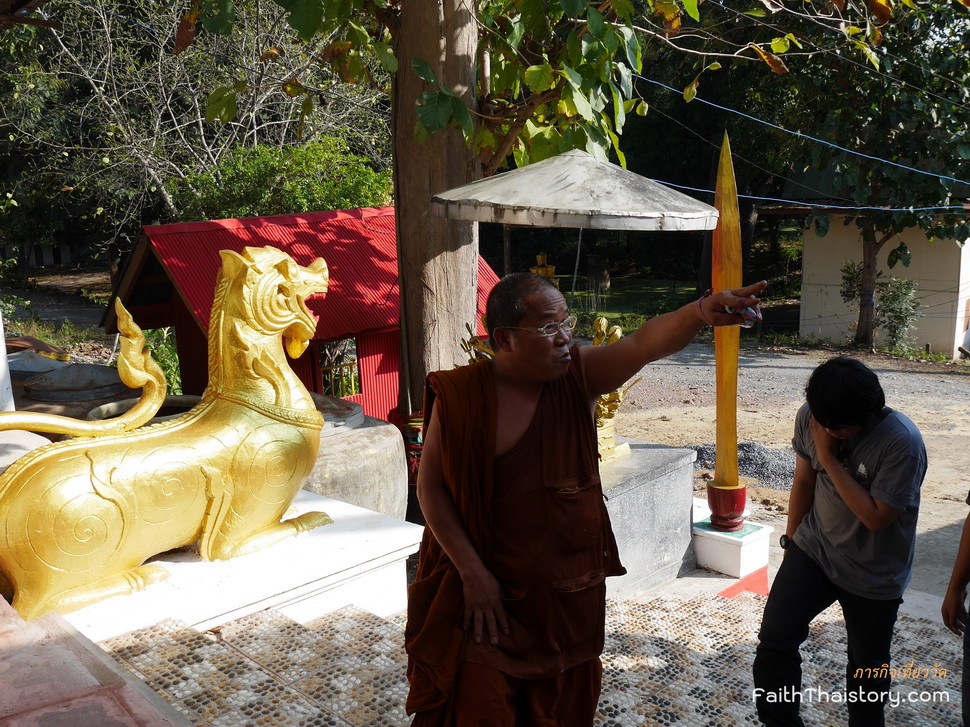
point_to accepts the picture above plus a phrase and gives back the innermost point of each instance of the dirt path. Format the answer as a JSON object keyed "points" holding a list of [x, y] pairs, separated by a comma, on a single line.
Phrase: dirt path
{"points": [[673, 404]]}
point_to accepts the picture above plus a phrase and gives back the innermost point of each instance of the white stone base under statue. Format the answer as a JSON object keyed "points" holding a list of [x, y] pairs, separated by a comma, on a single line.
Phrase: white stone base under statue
{"points": [[359, 559]]}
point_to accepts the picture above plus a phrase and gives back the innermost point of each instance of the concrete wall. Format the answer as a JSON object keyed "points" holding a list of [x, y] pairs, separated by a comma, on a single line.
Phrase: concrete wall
{"points": [[363, 465], [649, 498], [941, 270]]}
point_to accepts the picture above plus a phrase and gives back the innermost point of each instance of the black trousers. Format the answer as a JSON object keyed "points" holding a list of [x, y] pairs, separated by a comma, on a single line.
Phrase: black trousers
{"points": [[798, 594]]}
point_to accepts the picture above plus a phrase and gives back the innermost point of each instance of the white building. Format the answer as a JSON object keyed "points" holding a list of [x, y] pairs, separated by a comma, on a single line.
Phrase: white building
{"points": [[941, 270]]}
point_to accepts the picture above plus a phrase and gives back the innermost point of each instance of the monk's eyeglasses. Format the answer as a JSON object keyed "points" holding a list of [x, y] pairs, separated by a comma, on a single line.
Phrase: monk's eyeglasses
{"points": [[550, 329]]}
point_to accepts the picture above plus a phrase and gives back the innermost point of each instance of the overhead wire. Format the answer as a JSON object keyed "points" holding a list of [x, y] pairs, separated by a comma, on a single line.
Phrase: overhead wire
{"points": [[826, 205], [802, 135], [747, 161]]}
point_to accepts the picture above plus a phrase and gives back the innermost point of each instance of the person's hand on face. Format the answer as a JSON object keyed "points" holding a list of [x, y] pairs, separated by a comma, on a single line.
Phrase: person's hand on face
{"points": [[826, 444]]}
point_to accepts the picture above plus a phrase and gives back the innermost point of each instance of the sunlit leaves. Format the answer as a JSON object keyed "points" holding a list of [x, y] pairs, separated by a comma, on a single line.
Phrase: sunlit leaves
{"points": [[575, 93], [221, 105], [691, 7], [782, 44], [293, 88], [624, 8], [306, 110], [335, 50], [185, 33], [631, 47], [539, 78], [774, 62], [690, 91], [869, 53], [386, 57], [881, 10], [540, 142], [625, 77], [669, 13], [438, 108]]}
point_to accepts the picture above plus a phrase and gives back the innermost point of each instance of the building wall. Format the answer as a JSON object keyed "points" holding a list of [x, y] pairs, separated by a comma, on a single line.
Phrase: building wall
{"points": [[941, 270], [963, 323], [379, 362]]}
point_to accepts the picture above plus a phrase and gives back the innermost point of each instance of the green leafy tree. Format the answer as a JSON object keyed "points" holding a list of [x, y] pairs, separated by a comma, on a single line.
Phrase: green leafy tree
{"points": [[477, 84], [910, 108], [100, 122]]}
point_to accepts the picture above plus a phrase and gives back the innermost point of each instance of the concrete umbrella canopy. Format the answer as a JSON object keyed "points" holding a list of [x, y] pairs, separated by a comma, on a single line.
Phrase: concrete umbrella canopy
{"points": [[574, 189]]}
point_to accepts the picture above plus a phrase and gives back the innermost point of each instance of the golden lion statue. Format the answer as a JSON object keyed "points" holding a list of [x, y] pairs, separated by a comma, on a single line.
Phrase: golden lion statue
{"points": [[79, 518]]}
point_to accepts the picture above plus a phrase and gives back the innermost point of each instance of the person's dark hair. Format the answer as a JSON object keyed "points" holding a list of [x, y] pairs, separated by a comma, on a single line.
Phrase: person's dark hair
{"points": [[844, 392], [505, 306]]}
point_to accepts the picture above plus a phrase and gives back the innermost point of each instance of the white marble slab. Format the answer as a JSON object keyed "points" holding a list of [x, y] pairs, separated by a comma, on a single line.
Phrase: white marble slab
{"points": [[360, 557]]}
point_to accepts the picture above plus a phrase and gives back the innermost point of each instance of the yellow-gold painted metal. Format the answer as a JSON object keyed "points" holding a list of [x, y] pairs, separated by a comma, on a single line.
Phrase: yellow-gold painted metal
{"points": [[79, 518], [726, 274]]}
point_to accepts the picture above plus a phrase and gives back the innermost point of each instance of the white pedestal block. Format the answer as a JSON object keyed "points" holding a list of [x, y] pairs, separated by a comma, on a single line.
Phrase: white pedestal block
{"points": [[359, 560], [735, 554]]}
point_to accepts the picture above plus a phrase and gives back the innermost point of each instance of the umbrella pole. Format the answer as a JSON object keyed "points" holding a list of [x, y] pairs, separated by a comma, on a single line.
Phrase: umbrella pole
{"points": [[579, 245], [506, 249]]}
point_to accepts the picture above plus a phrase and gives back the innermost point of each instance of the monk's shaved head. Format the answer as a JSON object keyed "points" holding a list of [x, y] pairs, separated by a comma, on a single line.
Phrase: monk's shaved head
{"points": [[506, 303]]}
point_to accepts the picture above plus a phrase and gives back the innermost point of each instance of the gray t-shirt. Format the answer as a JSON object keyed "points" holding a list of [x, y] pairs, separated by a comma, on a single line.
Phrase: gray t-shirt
{"points": [[889, 460]]}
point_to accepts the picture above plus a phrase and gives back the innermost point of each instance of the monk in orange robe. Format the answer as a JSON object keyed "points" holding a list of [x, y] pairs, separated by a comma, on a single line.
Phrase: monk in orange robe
{"points": [[506, 618]]}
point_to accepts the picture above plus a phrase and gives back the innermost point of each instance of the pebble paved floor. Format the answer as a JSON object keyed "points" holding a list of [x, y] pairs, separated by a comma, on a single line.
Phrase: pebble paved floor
{"points": [[674, 660]]}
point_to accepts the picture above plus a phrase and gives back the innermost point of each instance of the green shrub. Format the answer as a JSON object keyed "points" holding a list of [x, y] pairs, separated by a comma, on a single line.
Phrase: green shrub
{"points": [[262, 180], [161, 341], [897, 310], [13, 307], [896, 307]]}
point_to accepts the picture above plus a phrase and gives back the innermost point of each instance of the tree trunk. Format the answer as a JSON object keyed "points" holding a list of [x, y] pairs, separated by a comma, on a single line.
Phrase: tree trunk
{"points": [[867, 319], [437, 257]]}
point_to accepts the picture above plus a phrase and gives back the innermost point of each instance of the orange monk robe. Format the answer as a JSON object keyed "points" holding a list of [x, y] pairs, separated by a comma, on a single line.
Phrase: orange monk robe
{"points": [[547, 539]]}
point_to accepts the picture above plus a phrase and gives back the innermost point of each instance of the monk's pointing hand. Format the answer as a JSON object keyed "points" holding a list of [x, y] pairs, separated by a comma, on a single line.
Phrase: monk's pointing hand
{"points": [[483, 606]]}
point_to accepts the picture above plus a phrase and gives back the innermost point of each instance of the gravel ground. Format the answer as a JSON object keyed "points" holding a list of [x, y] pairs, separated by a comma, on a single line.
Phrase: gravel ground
{"points": [[673, 403], [772, 468]]}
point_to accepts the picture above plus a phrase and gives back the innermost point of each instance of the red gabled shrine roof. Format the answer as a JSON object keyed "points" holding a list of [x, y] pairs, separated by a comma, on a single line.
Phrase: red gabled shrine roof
{"points": [[359, 247]]}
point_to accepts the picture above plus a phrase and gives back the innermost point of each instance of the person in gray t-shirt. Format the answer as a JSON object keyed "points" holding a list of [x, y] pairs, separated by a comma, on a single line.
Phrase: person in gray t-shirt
{"points": [[850, 538]]}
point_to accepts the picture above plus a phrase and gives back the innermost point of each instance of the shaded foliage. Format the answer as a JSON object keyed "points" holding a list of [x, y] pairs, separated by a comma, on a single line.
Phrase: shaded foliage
{"points": [[260, 180], [100, 121]]}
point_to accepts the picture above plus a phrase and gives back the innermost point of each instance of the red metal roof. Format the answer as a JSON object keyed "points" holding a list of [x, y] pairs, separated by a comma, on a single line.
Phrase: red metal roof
{"points": [[359, 247]]}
